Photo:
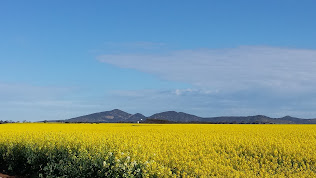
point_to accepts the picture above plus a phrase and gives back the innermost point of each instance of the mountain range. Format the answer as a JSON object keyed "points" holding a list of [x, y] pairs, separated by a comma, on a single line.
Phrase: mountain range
{"points": [[119, 116]]}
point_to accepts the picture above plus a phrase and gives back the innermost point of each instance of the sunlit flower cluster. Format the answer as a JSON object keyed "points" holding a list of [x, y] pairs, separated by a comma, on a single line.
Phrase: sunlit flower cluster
{"points": [[187, 150]]}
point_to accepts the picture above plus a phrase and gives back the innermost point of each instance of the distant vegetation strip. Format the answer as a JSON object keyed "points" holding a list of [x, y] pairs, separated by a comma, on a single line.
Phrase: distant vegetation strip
{"points": [[156, 150]]}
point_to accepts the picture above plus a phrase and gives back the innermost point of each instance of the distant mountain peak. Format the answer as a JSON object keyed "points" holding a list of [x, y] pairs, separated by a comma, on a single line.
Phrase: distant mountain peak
{"points": [[117, 115], [116, 110], [136, 117], [176, 116], [138, 114], [114, 115], [169, 112], [259, 116]]}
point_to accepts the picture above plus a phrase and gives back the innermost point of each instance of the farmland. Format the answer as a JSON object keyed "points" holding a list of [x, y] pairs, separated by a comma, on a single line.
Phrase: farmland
{"points": [[152, 150]]}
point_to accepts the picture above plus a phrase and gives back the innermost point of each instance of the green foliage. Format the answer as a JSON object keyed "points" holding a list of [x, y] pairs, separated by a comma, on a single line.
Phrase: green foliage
{"points": [[34, 161]]}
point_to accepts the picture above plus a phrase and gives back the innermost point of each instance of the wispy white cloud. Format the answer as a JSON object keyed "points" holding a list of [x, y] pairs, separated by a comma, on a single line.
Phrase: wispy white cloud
{"points": [[205, 103], [229, 69], [239, 81]]}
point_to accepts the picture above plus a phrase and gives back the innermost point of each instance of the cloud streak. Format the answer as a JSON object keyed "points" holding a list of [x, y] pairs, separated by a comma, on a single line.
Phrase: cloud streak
{"points": [[245, 67], [246, 80], [206, 103]]}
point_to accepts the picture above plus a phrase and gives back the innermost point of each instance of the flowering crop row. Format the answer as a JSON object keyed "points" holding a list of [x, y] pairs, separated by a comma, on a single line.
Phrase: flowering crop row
{"points": [[150, 150]]}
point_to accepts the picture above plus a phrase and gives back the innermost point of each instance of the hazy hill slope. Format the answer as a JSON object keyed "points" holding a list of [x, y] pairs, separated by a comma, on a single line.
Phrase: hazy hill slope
{"points": [[115, 115], [259, 119], [176, 116], [136, 117]]}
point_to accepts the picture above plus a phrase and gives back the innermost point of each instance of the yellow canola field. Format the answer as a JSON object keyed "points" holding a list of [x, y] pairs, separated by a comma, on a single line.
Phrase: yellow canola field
{"points": [[187, 150]]}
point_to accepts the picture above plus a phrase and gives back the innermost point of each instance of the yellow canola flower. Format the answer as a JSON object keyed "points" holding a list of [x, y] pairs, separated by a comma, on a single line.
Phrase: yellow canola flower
{"points": [[180, 150]]}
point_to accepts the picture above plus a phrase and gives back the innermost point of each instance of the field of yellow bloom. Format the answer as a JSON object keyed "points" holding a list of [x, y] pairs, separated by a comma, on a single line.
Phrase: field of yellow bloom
{"points": [[152, 150]]}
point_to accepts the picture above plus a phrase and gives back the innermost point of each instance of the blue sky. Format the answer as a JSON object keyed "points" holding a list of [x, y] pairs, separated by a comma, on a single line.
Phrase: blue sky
{"points": [[62, 59]]}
